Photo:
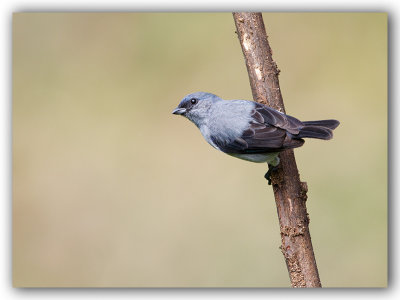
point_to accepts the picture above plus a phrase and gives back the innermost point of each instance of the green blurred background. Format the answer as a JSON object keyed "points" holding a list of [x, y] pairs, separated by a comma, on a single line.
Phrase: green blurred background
{"points": [[111, 189]]}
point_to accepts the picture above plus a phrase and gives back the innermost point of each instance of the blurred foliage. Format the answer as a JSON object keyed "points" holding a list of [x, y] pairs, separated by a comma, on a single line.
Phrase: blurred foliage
{"points": [[111, 189]]}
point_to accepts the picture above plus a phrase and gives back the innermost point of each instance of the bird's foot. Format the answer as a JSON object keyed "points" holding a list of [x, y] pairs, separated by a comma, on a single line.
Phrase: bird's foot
{"points": [[268, 174]]}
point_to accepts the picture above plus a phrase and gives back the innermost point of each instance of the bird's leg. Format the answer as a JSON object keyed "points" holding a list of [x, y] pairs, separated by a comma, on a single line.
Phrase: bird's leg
{"points": [[271, 169]]}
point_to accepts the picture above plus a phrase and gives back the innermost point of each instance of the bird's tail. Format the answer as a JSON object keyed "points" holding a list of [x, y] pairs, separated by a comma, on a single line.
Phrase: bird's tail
{"points": [[331, 124], [318, 129]]}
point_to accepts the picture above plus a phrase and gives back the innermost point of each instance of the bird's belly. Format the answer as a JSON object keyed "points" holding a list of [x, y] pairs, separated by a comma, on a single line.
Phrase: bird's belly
{"points": [[271, 158]]}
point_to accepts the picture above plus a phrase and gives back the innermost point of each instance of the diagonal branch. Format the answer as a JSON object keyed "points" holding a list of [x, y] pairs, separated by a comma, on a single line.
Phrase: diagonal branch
{"points": [[290, 193]]}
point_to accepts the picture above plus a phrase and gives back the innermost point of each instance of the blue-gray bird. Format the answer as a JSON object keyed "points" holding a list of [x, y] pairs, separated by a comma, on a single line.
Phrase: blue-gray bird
{"points": [[249, 130]]}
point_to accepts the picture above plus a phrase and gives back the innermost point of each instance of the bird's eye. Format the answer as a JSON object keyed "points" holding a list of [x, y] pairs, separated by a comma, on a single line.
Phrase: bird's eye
{"points": [[193, 100]]}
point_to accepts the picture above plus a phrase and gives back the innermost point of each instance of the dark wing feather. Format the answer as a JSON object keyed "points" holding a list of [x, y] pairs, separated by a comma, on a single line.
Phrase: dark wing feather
{"points": [[275, 118], [258, 139], [268, 131]]}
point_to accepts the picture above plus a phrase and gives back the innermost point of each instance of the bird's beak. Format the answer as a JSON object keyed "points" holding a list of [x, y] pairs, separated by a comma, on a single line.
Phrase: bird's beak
{"points": [[179, 111]]}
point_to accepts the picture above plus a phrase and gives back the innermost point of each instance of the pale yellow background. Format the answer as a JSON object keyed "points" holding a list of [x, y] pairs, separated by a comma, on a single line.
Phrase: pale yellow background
{"points": [[111, 189]]}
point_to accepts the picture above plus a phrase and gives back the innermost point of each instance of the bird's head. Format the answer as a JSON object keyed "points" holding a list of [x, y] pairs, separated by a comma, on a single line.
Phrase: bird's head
{"points": [[196, 106]]}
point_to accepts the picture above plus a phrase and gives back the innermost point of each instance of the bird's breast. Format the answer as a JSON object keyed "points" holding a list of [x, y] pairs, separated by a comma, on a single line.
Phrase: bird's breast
{"points": [[205, 131]]}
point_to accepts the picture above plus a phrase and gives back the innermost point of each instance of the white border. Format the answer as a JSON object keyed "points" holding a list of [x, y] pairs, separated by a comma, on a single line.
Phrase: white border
{"points": [[8, 7]]}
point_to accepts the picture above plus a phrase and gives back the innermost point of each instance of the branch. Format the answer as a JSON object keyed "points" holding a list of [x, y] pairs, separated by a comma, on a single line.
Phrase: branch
{"points": [[290, 193]]}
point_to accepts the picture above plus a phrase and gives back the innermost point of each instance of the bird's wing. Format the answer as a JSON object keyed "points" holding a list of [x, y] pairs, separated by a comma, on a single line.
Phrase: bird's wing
{"points": [[266, 115], [267, 132]]}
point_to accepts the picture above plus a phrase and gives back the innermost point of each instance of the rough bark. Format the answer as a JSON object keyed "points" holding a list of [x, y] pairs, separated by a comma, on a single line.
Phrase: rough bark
{"points": [[290, 193]]}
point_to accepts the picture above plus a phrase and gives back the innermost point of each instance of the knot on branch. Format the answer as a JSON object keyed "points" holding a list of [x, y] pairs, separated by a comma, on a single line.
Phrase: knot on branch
{"points": [[302, 195], [304, 187], [293, 231], [275, 68]]}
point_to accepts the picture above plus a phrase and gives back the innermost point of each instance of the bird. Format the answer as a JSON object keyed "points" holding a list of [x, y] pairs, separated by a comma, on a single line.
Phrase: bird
{"points": [[250, 130]]}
